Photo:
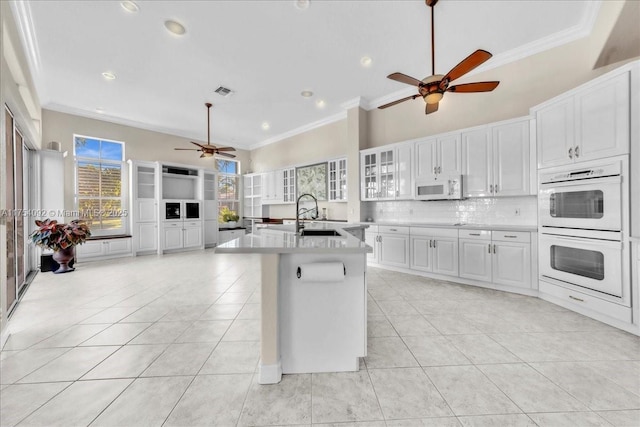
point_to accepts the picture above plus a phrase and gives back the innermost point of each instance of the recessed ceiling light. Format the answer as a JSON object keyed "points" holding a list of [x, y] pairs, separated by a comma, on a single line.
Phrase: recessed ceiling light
{"points": [[109, 76], [266, 126], [320, 103], [366, 61], [129, 6], [301, 4], [175, 27], [306, 93]]}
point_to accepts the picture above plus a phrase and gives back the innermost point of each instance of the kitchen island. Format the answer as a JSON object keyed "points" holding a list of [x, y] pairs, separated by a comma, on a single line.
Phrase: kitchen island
{"points": [[313, 297]]}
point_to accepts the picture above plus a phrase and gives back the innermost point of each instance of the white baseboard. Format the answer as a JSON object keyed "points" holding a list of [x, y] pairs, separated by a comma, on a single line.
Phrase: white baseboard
{"points": [[270, 374]]}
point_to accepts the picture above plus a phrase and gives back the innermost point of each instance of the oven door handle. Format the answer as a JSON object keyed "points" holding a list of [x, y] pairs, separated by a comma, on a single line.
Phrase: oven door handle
{"points": [[586, 181], [584, 240]]}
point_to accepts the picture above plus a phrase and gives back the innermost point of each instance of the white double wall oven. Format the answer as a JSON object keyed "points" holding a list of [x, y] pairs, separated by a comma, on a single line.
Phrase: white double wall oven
{"points": [[584, 228]]}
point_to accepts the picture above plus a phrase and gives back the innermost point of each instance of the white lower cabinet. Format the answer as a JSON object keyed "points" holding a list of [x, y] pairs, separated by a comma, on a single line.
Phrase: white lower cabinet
{"points": [[103, 249], [434, 250], [371, 239], [146, 237], [228, 235], [182, 235], [501, 257], [394, 246], [211, 232]]}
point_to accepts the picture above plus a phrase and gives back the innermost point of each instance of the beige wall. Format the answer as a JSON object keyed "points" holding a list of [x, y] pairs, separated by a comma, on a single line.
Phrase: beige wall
{"points": [[140, 144]]}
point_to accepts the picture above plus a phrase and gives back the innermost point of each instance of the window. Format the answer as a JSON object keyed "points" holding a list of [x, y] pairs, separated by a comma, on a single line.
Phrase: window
{"points": [[99, 166], [228, 186]]}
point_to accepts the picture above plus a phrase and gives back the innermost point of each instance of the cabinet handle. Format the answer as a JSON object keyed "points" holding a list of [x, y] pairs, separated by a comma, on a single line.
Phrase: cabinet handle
{"points": [[434, 243], [430, 243], [489, 248], [571, 153], [577, 151], [491, 189], [494, 249], [393, 229], [509, 236], [575, 298], [474, 234], [435, 170], [495, 188], [397, 193]]}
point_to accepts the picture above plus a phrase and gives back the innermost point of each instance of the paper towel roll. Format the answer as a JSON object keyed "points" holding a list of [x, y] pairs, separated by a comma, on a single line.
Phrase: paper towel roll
{"points": [[322, 272]]}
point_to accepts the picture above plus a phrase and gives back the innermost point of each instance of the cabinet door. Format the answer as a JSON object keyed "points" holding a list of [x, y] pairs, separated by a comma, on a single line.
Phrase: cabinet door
{"points": [[387, 175], [475, 259], [369, 176], [512, 264], [476, 163], [421, 253], [147, 237], [371, 239], [602, 120], [394, 250], [192, 236], [210, 232], [445, 256], [555, 134], [279, 186], [172, 236], [147, 210], [404, 183], [269, 186], [449, 156], [288, 186], [425, 159], [118, 247], [90, 249], [511, 159]]}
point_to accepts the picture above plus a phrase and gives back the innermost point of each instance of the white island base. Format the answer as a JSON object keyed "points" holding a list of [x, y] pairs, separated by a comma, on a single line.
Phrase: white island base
{"points": [[311, 326]]}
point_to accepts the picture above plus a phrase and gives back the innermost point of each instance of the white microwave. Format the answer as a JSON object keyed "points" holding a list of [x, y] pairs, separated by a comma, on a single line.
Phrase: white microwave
{"points": [[439, 188]]}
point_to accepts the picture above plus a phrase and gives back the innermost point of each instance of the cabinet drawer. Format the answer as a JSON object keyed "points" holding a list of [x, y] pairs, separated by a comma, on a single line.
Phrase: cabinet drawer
{"points": [[511, 236], [578, 299], [475, 234], [388, 229], [371, 229], [177, 224], [192, 224], [434, 232]]}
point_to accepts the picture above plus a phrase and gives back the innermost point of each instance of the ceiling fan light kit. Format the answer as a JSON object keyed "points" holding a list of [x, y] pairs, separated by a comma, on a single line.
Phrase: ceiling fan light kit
{"points": [[432, 88], [207, 149]]}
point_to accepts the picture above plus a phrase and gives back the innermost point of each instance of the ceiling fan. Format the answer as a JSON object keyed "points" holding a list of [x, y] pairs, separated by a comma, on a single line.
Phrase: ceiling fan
{"points": [[432, 88], [207, 149]]}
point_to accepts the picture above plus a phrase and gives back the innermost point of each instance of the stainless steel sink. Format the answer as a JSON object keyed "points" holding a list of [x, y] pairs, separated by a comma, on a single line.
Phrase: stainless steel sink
{"points": [[318, 232]]}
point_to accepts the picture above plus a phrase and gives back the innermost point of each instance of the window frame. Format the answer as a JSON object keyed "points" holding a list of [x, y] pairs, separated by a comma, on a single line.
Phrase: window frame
{"points": [[123, 185], [220, 175]]}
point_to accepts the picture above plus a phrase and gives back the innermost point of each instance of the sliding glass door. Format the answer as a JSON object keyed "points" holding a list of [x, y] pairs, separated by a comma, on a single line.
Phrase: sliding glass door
{"points": [[10, 220]]}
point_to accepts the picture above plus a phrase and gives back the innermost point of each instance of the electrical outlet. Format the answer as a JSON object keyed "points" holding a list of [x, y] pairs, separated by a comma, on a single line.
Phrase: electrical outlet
{"points": [[517, 211]]}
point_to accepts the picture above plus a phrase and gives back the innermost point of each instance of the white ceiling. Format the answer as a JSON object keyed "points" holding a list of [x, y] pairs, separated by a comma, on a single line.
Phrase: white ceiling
{"points": [[267, 52]]}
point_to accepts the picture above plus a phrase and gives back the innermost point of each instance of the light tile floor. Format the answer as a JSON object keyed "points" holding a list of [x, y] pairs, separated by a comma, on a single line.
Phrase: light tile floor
{"points": [[173, 341]]}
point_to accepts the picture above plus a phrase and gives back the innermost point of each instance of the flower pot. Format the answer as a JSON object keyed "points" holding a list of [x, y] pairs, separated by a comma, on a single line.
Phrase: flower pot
{"points": [[231, 224], [64, 257]]}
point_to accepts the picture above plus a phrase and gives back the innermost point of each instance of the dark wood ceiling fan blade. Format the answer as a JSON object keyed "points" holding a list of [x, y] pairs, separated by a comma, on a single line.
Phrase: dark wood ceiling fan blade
{"points": [[225, 155], [403, 78], [467, 64], [187, 149], [474, 87], [226, 149], [195, 143], [431, 108], [391, 104]]}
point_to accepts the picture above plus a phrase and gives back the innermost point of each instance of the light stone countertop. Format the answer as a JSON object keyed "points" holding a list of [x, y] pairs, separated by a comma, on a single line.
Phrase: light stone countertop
{"points": [[280, 239], [528, 228]]}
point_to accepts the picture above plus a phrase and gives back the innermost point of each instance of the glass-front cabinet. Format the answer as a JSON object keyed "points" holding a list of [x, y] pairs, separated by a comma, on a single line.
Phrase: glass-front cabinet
{"points": [[385, 174], [337, 180]]}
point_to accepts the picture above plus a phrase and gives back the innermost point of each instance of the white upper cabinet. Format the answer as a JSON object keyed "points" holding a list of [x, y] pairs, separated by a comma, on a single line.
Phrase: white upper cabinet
{"points": [[435, 156], [337, 180], [385, 174], [511, 160], [587, 123], [496, 160], [273, 187]]}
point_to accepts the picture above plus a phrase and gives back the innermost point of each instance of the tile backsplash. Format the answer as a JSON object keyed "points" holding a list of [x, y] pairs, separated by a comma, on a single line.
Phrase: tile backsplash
{"points": [[489, 211]]}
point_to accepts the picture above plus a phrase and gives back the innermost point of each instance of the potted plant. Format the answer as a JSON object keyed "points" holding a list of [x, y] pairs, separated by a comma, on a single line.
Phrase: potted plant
{"points": [[228, 217], [61, 239]]}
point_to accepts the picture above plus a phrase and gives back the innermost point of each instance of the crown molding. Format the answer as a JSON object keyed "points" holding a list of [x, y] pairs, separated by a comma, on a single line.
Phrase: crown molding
{"points": [[24, 22], [132, 123], [356, 102], [301, 129]]}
